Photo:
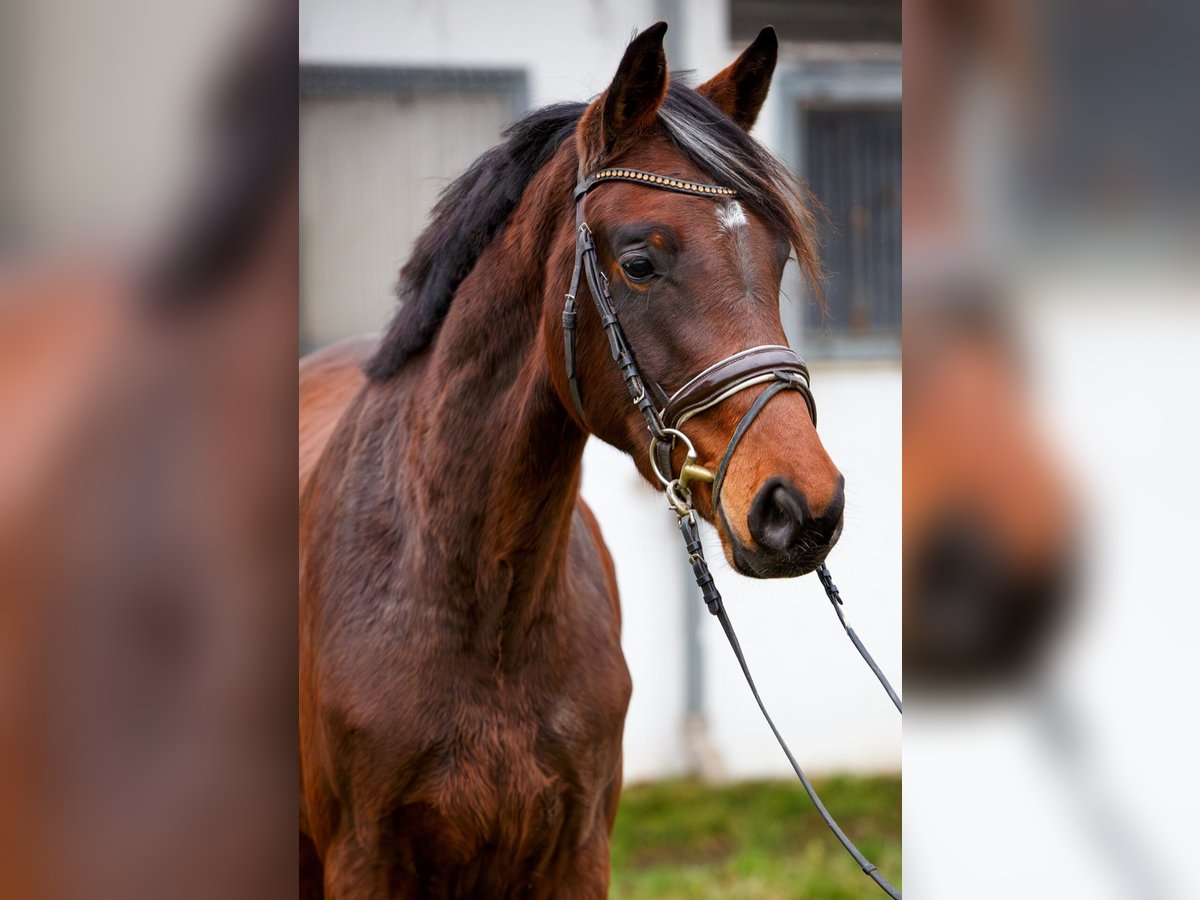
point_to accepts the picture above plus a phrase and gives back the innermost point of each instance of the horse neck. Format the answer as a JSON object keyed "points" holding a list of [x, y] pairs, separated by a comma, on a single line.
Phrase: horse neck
{"points": [[493, 459]]}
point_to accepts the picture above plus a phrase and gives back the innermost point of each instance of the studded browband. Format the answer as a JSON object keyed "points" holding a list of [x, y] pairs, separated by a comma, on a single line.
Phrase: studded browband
{"points": [[666, 182], [665, 415]]}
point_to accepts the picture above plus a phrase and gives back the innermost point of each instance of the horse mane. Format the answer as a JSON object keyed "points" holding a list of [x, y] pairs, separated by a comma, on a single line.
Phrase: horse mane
{"points": [[467, 216], [475, 207]]}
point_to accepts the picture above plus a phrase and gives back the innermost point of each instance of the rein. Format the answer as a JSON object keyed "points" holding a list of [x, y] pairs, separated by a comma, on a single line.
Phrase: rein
{"points": [[776, 366]]}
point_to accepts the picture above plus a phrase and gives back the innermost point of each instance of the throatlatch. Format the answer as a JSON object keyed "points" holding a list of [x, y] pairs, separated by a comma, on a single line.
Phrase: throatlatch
{"points": [[777, 366]]}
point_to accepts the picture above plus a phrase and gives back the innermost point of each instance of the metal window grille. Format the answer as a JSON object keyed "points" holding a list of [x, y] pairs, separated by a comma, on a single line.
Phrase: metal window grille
{"points": [[852, 163]]}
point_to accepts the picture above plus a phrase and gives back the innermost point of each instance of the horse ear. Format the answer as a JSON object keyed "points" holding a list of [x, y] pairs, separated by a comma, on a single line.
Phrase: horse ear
{"points": [[630, 103], [741, 89]]}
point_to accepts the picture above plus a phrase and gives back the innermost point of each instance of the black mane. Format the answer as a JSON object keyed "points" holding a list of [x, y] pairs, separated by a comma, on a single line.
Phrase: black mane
{"points": [[467, 216], [475, 207]]}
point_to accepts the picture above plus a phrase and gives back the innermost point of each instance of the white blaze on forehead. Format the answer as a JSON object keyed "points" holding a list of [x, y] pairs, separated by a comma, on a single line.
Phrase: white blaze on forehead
{"points": [[731, 215], [732, 219]]}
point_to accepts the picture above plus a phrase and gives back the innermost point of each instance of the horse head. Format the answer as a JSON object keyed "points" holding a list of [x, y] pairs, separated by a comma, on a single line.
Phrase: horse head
{"points": [[694, 272]]}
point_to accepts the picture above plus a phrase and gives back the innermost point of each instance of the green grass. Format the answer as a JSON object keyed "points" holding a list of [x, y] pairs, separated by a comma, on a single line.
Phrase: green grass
{"points": [[753, 841]]}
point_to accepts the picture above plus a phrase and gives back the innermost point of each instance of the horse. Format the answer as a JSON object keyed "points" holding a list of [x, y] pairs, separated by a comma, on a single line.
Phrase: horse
{"points": [[462, 685]]}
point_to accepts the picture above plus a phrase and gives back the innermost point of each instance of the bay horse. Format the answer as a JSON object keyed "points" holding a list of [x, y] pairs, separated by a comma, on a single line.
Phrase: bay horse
{"points": [[462, 685]]}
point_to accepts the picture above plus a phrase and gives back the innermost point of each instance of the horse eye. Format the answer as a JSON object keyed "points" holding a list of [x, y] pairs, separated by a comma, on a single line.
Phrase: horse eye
{"points": [[638, 268]]}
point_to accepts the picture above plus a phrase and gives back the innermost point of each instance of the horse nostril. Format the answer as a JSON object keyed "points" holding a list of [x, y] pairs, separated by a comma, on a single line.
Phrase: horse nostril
{"points": [[777, 515]]}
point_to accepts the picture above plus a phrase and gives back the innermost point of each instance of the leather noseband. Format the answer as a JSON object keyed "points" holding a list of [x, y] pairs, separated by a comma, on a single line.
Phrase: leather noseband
{"points": [[736, 373]]}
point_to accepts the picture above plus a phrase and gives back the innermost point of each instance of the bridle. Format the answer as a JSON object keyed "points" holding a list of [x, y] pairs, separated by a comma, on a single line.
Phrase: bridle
{"points": [[774, 365], [666, 415]]}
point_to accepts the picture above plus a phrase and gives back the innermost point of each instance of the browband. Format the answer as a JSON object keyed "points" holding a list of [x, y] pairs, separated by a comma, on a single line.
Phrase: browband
{"points": [[665, 182]]}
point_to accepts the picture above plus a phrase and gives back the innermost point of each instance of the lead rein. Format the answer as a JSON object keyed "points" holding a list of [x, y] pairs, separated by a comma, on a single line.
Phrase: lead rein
{"points": [[835, 597], [712, 598]]}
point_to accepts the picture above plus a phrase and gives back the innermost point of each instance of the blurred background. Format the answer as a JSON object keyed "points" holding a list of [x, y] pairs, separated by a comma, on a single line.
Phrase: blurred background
{"points": [[396, 100], [1051, 218], [148, 210]]}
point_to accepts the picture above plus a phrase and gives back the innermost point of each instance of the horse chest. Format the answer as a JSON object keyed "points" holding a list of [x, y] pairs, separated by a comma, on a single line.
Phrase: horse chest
{"points": [[516, 785], [477, 753]]}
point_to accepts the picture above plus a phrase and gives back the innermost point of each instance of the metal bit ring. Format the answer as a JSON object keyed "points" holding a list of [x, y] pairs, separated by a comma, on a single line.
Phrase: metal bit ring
{"points": [[675, 433]]}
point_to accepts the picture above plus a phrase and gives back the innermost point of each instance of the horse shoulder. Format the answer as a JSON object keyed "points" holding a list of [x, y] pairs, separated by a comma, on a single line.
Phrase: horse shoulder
{"points": [[330, 378]]}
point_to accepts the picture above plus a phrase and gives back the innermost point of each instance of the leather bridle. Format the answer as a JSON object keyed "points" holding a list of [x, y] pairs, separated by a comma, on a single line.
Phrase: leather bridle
{"points": [[665, 415], [776, 366]]}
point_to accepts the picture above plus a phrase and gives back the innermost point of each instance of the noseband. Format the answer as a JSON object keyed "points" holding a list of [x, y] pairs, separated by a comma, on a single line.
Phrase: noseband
{"points": [[775, 366]]}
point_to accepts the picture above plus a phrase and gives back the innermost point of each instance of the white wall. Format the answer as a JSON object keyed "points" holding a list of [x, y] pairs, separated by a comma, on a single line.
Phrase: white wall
{"points": [[823, 697], [569, 49]]}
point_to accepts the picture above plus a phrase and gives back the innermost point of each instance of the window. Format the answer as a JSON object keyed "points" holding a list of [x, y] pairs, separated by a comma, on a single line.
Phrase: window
{"points": [[377, 146], [829, 21], [852, 164], [840, 131]]}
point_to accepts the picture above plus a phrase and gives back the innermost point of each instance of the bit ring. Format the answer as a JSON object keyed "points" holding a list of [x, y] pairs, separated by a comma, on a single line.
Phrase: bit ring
{"points": [[675, 433]]}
